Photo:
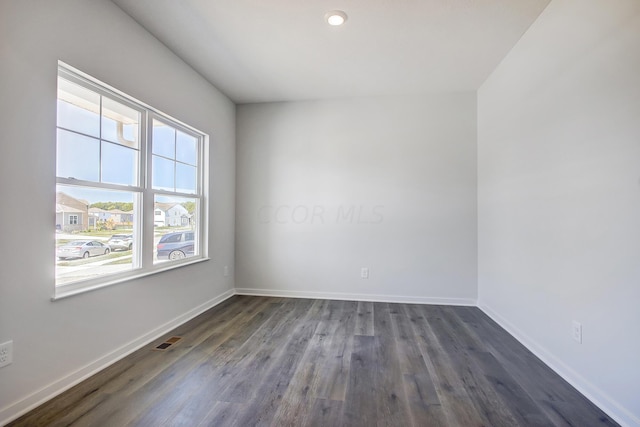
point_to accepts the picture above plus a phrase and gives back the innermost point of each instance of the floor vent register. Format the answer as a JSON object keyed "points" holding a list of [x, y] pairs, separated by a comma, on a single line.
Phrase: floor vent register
{"points": [[168, 343]]}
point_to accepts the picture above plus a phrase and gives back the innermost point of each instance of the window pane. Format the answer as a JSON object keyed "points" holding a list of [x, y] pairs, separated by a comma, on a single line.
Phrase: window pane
{"points": [[119, 164], [120, 123], [186, 149], [185, 178], [175, 228], [77, 156], [163, 174], [94, 233], [78, 108], [164, 140]]}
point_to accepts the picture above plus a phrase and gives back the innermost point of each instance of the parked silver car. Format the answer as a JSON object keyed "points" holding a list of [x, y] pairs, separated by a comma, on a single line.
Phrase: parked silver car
{"points": [[82, 249], [120, 241]]}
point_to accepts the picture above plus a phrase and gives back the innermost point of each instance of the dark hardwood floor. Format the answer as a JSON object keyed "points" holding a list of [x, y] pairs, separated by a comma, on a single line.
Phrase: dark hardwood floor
{"points": [[296, 362]]}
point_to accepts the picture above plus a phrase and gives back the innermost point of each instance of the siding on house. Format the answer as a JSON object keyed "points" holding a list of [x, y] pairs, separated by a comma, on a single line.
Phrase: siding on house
{"points": [[171, 215], [66, 206]]}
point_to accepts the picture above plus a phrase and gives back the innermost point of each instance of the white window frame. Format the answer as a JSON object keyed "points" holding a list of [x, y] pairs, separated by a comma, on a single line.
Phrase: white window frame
{"points": [[144, 194], [73, 219]]}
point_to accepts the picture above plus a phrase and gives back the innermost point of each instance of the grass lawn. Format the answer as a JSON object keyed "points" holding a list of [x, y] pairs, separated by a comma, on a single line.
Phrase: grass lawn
{"points": [[111, 255]]}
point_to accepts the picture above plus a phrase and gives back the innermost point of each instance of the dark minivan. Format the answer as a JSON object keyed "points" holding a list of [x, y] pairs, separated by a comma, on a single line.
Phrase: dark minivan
{"points": [[176, 245]]}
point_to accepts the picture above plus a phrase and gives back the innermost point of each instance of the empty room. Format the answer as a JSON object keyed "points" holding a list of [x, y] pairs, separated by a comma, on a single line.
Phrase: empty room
{"points": [[320, 213]]}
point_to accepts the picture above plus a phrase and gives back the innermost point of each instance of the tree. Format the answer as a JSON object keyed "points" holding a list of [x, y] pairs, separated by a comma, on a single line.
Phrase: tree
{"points": [[189, 206], [107, 206]]}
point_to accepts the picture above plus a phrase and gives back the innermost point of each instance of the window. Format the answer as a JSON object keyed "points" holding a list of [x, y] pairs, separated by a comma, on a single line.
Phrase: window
{"points": [[123, 168]]}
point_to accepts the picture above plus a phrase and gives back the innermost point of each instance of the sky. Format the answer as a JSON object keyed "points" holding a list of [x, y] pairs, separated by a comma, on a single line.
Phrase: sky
{"points": [[106, 148]]}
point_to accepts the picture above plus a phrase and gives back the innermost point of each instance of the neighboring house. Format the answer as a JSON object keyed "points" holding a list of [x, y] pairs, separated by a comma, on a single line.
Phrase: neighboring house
{"points": [[69, 219], [97, 215], [170, 215], [71, 214], [122, 216]]}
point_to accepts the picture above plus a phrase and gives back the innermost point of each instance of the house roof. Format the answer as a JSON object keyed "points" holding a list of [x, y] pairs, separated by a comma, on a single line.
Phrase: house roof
{"points": [[62, 195], [164, 206], [67, 209]]}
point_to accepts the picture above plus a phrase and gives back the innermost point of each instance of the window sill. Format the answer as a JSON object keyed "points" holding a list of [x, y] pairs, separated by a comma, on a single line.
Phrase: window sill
{"points": [[70, 290]]}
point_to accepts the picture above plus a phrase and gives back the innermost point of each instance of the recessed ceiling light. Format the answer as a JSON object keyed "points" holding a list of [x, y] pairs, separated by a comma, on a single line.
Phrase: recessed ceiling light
{"points": [[336, 17]]}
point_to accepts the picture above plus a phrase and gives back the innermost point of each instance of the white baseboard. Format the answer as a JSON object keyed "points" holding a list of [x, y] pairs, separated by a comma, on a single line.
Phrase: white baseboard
{"points": [[21, 407], [591, 392], [356, 297]]}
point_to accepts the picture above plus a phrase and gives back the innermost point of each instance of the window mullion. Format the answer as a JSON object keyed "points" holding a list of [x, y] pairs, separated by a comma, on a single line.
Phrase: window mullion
{"points": [[97, 185], [100, 141], [146, 255]]}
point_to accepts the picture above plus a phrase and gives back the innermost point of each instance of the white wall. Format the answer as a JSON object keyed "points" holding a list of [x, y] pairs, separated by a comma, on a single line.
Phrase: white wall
{"points": [[559, 196], [327, 187], [53, 340]]}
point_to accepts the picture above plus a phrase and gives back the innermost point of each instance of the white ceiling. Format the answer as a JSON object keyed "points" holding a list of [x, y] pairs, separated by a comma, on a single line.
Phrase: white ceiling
{"points": [[275, 50]]}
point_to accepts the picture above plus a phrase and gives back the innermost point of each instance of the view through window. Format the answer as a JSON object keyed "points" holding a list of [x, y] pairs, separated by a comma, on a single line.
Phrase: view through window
{"points": [[115, 157]]}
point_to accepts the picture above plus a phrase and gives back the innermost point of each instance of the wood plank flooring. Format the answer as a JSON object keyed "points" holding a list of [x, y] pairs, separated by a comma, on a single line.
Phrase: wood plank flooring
{"points": [[255, 361]]}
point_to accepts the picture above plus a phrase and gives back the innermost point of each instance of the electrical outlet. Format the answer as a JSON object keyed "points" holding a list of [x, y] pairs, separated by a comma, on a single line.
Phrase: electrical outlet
{"points": [[364, 273], [226, 270], [577, 332], [6, 353]]}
